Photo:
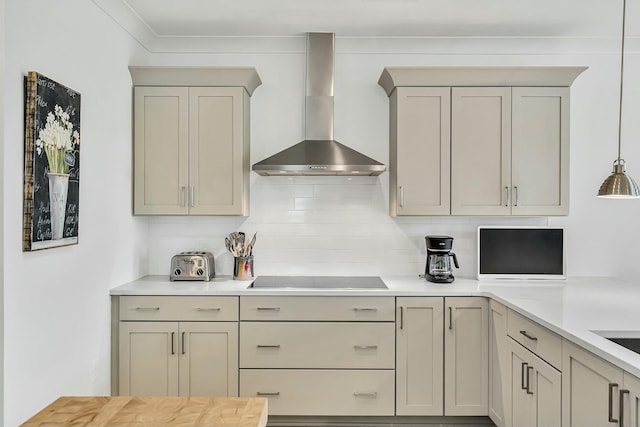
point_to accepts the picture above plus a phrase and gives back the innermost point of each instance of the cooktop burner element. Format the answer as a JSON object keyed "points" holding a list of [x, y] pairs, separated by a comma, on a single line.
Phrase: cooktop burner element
{"points": [[320, 282]]}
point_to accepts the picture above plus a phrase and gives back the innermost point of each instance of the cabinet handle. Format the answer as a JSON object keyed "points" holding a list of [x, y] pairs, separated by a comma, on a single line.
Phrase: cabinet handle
{"points": [[183, 350], [207, 308], [515, 197], [147, 308], [531, 337], [622, 393], [173, 350], [372, 394], [365, 347], [268, 308], [268, 393], [401, 201], [529, 370], [365, 309], [523, 369], [611, 387], [450, 317], [268, 345], [401, 317], [506, 196], [183, 190], [192, 201]]}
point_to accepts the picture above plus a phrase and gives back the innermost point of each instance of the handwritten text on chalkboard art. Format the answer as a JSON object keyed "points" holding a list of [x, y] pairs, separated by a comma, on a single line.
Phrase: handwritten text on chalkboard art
{"points": [[51, 164]]}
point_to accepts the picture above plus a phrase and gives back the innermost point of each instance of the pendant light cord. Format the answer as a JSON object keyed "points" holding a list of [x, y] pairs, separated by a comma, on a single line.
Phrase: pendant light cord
{"points": [[624, 12]]}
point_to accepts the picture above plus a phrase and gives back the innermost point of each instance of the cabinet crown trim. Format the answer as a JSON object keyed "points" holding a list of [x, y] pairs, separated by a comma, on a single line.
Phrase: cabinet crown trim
{"points": [[393, 77], [246, 77]]}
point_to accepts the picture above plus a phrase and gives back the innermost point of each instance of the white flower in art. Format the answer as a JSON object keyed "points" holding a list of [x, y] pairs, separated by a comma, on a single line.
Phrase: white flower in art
{"points": [[57, 138]]}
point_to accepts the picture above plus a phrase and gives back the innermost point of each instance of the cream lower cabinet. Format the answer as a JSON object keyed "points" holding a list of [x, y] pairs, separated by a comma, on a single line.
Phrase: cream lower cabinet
{"points": [[442, 356], [498, 364], [419, 356], [159, 355], [535, 390], [316, 356], [466, 356], [590, 389], [630, 407]]}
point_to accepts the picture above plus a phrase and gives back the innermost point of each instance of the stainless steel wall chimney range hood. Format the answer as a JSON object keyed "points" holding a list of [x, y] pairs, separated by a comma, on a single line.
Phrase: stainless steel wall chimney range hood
{"points": [[319, 153]]}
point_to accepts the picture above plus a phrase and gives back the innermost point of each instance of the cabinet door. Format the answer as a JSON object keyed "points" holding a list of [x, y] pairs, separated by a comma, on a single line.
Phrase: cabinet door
{"points": [[466, 356], [208, 359], [419, 351], [535, 388], [161, 142], [631, 408], [480, 151], [590, 388], [217, 151], [148, 358], [498, 365], [420, 151], [540, 151]]}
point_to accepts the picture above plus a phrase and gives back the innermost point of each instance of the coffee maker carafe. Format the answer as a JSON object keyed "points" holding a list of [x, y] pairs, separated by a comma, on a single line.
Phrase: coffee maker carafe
{"points": [[439, 256]]}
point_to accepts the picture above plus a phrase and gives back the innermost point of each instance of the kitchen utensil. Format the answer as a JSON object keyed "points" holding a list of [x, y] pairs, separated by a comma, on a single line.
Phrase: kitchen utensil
{"points": [[438, 269], [248, 248]]}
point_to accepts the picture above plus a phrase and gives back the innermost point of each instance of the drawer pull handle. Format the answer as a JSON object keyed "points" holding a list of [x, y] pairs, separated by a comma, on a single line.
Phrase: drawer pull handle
{"points": [[622, 393], [173, 350], [371, 394], [401, 317], [268, 393], [365, 347], [523, 369], [365, 309], [207, 308], [183, 350], [147, 308], [531, 337], [268, 308], [269, 346], [529, 370], [611, 387]]}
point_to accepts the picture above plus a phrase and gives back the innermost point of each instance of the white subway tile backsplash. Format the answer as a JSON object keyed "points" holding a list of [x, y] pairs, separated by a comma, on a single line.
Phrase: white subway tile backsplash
{"points": [[325, 225]]}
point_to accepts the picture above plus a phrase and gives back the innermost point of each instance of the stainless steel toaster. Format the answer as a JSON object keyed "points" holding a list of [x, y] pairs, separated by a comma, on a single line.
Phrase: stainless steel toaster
{"points": [[193, 265]]}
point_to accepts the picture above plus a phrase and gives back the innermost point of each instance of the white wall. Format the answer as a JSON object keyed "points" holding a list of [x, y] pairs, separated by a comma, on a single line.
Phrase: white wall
{"points": [[338, 226], [57, 305]]}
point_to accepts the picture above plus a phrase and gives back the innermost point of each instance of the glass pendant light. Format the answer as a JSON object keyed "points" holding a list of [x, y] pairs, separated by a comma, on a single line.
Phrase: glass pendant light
{"points": [[619, 185]]}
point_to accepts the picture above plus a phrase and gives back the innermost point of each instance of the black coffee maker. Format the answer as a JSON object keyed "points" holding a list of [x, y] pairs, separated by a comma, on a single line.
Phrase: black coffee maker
{"points": [[439, 256]]}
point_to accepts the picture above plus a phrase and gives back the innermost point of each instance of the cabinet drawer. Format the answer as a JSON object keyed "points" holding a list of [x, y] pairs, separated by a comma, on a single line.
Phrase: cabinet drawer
{"points": [[352, 309], [541, 341], [317, 345], [321, 392], [192, 308]]}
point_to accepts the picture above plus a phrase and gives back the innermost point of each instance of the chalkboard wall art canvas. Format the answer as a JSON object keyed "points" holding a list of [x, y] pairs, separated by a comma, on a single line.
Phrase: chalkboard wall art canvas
{"points": [[51, 164]]}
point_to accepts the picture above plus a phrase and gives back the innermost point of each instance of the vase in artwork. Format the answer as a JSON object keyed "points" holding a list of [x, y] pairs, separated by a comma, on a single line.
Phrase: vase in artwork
{"points": [[58, 186]]}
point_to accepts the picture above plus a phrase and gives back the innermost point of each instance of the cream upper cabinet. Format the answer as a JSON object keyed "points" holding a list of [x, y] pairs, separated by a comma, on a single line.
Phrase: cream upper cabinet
{"points": [[590, 389], [419, 356], [508, 136], [191, 140], [498, 365], [540, 151], [466, 356], [419, 151], [480, 150]]}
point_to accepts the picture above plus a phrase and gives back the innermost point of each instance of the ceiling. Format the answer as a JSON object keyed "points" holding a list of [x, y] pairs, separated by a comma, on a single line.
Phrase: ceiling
{"points": [[370, 18]]}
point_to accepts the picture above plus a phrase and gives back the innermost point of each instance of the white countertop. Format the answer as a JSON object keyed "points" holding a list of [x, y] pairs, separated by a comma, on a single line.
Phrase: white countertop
{"points": [[572, 308]]}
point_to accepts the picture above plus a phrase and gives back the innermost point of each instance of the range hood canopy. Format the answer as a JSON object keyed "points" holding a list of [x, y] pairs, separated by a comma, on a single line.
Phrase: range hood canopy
{"points": [[319, 153]]}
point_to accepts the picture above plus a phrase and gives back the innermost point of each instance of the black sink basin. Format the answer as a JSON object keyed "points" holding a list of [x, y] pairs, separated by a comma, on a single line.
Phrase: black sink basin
{"points": [[319, 282]]}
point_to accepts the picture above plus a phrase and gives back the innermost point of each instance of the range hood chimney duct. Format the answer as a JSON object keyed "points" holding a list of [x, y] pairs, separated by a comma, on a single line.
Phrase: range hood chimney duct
{"points": [[319, 153]]}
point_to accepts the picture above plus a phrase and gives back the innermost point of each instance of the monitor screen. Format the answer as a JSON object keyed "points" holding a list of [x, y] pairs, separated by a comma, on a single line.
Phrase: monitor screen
{"points": [[529, 252]]}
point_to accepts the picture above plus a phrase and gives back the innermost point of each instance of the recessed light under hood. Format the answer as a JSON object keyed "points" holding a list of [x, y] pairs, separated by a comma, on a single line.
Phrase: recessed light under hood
{"points": [[319, 153]]}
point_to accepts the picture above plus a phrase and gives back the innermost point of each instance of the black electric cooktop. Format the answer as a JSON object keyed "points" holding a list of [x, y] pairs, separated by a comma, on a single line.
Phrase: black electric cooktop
{"points": [[319, 282]]}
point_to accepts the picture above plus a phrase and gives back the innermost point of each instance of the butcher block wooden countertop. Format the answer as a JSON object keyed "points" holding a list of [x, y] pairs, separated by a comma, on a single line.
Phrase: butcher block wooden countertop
{"points": [[133, 411]]}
